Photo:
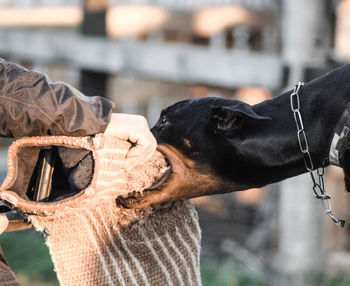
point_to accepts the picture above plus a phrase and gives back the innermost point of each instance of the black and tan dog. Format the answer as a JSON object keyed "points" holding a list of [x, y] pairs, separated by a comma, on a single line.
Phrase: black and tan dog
{"points": [[217, 145]]}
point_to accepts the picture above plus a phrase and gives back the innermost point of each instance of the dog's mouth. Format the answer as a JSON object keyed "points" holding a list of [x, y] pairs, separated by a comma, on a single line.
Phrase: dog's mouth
{"points": [[163, 177], [174, 166]]}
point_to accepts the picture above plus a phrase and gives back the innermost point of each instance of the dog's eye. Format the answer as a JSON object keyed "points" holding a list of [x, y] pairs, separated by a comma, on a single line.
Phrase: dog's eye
{"points": [[163, 119]]}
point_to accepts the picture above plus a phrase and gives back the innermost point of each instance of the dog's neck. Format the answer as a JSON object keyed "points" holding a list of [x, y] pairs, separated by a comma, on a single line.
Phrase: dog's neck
{"points": [[325, 109], [341, 139]]}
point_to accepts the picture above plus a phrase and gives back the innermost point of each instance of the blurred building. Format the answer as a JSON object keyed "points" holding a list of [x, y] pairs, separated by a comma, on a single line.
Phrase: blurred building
{"points": [[183, 44]]}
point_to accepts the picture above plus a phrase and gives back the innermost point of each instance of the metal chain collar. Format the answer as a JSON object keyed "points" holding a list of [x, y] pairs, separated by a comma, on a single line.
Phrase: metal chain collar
{"points": [[318, 186]]}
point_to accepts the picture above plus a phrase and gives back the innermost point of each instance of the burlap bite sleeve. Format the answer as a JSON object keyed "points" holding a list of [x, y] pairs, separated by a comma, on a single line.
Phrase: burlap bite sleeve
{"points": [[94, 242]]}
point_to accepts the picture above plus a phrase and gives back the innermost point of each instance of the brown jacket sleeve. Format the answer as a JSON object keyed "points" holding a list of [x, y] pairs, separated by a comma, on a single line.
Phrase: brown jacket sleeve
{"points": [[30, 104]]}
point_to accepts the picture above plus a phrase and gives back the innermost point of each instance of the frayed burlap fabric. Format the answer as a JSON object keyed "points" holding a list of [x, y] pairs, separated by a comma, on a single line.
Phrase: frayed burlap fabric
{"points": [[94, 242]]}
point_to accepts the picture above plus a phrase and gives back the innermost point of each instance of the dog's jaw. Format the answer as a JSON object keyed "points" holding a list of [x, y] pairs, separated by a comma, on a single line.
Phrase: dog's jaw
{"points": [[185, 180]]}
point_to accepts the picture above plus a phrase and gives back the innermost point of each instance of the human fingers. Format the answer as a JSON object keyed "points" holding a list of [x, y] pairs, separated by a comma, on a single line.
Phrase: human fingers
{"points": [[135, 129], [144, 147]]}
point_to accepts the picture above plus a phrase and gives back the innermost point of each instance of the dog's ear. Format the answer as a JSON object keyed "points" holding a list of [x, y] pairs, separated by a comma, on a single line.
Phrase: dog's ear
{"points": [[228, 119]]}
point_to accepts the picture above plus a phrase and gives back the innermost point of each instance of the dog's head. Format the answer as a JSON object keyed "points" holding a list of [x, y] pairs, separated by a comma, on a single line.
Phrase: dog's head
{"points": [[208, 143]]}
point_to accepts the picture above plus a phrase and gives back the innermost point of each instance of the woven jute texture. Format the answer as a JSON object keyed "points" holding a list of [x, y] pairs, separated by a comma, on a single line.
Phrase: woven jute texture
{"points": [[94, 242]]}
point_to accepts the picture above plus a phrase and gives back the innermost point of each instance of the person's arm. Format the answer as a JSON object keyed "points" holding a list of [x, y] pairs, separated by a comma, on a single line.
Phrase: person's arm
{"points": [[30, 104]]}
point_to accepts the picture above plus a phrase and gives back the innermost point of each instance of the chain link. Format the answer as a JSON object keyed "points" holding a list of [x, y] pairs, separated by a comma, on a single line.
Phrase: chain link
{"points": [[318, 185]]}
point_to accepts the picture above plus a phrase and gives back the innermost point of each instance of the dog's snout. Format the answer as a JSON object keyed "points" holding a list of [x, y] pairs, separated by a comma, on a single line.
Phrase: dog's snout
{"points": [[155, 132]]}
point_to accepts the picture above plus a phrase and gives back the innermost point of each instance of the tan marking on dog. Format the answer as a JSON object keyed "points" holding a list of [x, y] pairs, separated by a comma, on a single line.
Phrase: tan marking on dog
{"points": [[187, 143]]}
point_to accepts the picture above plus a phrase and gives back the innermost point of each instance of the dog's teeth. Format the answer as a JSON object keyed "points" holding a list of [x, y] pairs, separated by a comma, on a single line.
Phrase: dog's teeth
{"points": [[165, 169]]}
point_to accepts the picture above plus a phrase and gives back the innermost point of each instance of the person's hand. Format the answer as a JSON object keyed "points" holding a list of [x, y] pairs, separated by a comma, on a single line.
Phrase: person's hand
{"points": [[135, 129]]}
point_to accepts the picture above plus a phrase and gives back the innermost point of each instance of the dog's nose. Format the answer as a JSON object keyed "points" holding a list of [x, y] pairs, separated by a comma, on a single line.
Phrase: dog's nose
{"points": [[155, 132]]}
